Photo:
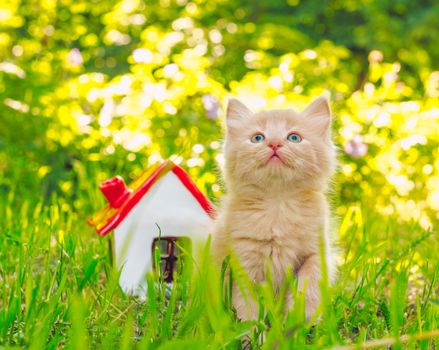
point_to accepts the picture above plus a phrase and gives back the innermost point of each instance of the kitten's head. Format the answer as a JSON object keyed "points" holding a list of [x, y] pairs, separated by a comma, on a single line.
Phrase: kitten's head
{"points": [[279, 145]]}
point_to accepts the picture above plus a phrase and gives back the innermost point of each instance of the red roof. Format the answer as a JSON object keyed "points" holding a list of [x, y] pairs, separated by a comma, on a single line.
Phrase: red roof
{"points": [[126, 198]]}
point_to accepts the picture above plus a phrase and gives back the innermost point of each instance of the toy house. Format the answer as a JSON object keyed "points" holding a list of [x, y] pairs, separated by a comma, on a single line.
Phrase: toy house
{"points": [[158, 209]]}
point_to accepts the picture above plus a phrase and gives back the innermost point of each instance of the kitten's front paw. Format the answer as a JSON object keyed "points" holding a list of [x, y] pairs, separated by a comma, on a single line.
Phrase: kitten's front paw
{"points": [[311, 307], [247, 312]]}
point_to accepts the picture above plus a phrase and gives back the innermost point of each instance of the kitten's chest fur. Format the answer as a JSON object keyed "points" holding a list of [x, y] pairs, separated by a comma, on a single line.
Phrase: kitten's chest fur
{"points": [[277, 218], [281, 229]]}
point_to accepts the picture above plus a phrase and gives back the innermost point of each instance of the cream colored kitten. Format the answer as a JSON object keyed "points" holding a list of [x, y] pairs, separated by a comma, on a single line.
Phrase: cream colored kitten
{"points": [[277, 167]]}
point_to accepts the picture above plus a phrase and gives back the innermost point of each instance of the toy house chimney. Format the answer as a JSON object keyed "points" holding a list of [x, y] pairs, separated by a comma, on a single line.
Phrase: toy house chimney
{"points": [[115, 191]]}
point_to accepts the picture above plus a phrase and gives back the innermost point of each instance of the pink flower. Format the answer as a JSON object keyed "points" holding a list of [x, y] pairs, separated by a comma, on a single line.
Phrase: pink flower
{"points": [[74, 57], [375, 56], [355, 147], [211, 106]]}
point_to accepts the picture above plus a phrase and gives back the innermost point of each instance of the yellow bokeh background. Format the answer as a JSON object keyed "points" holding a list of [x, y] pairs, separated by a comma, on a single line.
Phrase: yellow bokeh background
{"points": [[90, 89]]}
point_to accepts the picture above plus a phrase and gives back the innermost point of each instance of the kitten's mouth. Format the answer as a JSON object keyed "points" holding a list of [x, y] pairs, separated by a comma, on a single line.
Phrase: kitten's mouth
{"points": [[275, 158]]}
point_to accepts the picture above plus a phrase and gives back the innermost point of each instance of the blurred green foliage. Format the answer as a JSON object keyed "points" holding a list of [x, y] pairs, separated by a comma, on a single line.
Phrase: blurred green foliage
{"points": [[91, 88]]}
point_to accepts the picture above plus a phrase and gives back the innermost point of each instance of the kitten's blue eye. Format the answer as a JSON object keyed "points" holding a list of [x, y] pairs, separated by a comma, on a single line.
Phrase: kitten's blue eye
{"points": [[257, 138], [293, 137]]}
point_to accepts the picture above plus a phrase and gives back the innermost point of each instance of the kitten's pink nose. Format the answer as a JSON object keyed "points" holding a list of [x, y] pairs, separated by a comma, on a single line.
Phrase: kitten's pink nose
{"points": [[274, 145]]}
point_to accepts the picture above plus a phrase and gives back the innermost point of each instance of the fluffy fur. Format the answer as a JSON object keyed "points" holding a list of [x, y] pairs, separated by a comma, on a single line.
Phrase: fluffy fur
{"points": [[275, 210]]}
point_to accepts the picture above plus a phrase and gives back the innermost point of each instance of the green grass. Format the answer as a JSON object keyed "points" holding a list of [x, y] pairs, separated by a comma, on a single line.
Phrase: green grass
{"points": [[58, 289]]}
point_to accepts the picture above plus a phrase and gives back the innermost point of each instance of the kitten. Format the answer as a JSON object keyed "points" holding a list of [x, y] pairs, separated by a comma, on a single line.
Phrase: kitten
{"points": [[277, 168]]}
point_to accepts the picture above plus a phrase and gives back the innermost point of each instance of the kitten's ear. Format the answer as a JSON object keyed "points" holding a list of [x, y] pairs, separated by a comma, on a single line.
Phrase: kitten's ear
{"points": [[318, 113], [236, 112]]}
